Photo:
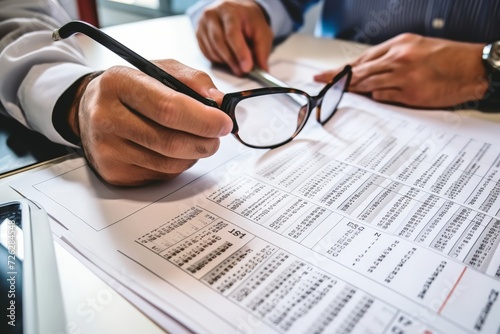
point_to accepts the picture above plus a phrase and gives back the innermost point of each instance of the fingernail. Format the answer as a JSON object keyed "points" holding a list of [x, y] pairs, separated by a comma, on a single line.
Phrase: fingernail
{"points": [[226, 130], [215, 94], [246, 66]]}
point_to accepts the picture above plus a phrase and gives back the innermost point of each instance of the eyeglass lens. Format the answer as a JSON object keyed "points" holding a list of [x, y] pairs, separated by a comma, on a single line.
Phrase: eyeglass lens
{"points": [[270, 119], [331, 99]]}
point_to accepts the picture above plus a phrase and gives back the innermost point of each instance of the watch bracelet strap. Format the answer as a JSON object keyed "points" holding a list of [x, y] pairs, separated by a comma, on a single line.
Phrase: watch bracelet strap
{"points": [[491, 100]]}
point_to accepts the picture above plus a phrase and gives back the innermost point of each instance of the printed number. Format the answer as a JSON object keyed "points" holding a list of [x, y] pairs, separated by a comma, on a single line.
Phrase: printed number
{"points": [[237, 233]]}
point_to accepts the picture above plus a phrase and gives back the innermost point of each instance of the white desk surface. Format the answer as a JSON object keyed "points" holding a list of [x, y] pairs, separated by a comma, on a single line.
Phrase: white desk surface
{"points": [[92, 306]]}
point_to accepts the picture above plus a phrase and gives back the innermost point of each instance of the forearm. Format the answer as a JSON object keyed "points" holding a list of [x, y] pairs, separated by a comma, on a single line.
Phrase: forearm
{"points": [[35, 71]]}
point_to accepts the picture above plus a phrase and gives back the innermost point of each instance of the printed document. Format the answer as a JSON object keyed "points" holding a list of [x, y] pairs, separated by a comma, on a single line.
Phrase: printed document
{"points": [[385, 220]]}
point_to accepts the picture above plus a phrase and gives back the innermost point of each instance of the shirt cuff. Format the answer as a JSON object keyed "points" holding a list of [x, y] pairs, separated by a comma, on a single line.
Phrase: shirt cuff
{"points": [[281, 23], [40, 92], [194, 12]]}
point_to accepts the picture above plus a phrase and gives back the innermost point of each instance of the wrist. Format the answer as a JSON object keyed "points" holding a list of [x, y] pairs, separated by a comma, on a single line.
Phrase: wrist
{"points": [[72, 117], [491, 63], [65, 113], [473, 88]]}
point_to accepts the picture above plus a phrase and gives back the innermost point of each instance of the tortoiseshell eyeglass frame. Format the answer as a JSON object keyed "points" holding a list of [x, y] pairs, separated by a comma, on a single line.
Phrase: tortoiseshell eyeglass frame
{"points": [[230, 101]]}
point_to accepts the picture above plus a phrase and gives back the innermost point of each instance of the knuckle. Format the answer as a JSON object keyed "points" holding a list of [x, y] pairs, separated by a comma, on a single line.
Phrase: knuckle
{"points": [[167, 113], [169, 168], [170, 144], [199, 76], [232, 34], [405, 57], [173, 167], [108, 77], [407, 36], [102, 162], [210, 14]]}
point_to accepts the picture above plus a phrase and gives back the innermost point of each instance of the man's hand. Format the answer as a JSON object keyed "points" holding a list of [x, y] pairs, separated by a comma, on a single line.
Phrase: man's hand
{"points": [[419, 71], [235, 33], [135, 130]]}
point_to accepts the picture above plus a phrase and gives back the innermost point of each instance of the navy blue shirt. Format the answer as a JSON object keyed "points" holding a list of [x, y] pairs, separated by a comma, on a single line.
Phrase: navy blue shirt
{"points": [[374, 21]]}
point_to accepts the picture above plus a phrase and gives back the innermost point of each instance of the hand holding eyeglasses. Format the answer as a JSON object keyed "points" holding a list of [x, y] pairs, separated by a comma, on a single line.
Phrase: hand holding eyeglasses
{"points": [[152, 122], [134, 130]]}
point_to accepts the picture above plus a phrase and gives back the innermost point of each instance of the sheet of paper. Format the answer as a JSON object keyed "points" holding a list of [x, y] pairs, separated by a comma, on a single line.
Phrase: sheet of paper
{"points": [[385, 220]]}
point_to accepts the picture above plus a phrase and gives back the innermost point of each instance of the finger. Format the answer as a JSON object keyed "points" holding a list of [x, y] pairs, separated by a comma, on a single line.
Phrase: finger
{"points": [[374, 52], [134, 176], [365, 70], [209, 27], [207, 45], [375, 82], [261, 40], [392, 95], [262, 52], [160, 164], [165, 141], [195, 79], [219, 45], [165, 106], [134, 129], [212, 35], [204, 39], [147, 167], [213, 45], [410, 96], [153, 161], [236, 41], [326, 76]]}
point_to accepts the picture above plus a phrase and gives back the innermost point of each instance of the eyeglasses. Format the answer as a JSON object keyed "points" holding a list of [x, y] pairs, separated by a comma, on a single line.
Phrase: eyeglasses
{"points": [[262, 118]]}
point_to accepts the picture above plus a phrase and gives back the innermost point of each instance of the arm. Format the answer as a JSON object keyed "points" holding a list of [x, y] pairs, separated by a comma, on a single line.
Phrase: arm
{"points": [[132, 128], [35, 71]]}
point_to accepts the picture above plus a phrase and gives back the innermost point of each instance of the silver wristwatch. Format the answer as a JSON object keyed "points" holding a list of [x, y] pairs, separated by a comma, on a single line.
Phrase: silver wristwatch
{"points": [[491, 61]]}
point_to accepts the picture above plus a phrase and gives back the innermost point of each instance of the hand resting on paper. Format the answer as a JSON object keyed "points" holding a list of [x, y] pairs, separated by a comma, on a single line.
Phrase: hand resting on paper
{"points": [[237, 34], [419, 71], [134, 130]]}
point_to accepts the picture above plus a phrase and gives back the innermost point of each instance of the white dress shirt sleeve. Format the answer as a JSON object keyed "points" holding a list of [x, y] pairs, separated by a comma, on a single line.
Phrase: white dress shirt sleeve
{"points": [[34, 70]]}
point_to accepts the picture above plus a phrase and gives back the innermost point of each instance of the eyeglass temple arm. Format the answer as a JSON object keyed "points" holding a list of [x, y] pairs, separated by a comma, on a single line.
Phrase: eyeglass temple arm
{"points": [[133, 58]]}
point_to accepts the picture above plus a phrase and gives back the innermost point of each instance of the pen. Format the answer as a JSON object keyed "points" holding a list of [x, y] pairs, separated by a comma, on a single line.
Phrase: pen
{"points": [[133, 58], [265, 78], [257, 74]]}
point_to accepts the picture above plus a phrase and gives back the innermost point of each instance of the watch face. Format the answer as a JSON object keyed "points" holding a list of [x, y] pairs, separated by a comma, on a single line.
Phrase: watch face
{"points": [[494, 55]]}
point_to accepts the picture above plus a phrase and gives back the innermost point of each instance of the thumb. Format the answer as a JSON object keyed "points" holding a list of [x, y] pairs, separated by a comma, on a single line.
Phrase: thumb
{"points": [[325, 76], [216, 95]]}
